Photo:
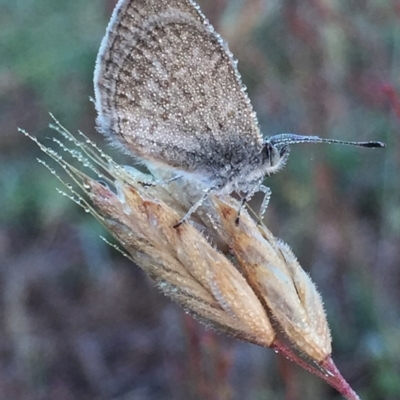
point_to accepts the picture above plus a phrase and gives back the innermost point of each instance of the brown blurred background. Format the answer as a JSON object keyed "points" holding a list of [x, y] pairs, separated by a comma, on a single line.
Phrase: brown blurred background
{"points": [[78, 321]]}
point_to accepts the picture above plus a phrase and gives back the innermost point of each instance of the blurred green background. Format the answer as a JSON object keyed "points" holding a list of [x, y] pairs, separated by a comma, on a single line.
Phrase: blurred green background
{"points": [[80, 322]]}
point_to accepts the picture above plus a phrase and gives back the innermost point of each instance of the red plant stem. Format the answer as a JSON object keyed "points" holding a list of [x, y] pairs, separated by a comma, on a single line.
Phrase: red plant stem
{"points": [[336, 380], [332, 375]]}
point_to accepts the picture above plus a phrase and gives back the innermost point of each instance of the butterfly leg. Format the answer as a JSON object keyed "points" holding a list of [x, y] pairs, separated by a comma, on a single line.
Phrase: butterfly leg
{"points": [[194, 207], [267, 196], [247, 197], [242, 203], [162, 183], [170, 180]]}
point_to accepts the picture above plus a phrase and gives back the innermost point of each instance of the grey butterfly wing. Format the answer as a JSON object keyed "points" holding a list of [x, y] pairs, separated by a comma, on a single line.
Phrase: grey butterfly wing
{"points": [[167, 88]]}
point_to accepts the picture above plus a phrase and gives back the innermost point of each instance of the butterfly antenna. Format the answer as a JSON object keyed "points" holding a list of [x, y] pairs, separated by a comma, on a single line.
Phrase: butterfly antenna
{"points": [[291, 138]]}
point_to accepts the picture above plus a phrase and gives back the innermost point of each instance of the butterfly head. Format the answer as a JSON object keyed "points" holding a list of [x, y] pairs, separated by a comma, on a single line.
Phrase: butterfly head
{"points": [[275, 156]]}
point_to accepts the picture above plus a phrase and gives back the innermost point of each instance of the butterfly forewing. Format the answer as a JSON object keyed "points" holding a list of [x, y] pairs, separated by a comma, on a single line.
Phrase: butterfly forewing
{"points": [[167, 89]]}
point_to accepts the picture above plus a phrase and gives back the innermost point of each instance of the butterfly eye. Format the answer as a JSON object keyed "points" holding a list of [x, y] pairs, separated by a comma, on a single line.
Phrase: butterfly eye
{"points": [[272, 154], [283, 151]]}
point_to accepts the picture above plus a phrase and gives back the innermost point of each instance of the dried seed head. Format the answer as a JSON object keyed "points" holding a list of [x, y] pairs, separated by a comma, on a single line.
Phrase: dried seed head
{"points": [[190, 270]]}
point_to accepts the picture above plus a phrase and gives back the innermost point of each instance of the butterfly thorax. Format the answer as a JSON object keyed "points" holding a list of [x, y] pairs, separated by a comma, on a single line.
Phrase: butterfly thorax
{"points": [[249, 174]]}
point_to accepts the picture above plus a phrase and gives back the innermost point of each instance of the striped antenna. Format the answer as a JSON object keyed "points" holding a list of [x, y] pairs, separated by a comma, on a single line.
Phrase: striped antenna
{"points": [[291, 138]]}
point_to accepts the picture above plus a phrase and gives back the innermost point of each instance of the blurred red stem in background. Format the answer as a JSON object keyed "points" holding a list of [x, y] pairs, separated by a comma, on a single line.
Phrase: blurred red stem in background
{"points": [[209, 362], [288, 373], [195, 358], [393, 97]]}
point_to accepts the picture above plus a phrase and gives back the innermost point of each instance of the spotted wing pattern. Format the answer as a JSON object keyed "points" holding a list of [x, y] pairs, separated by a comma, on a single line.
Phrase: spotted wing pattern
{"points": [[167, 89]]}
